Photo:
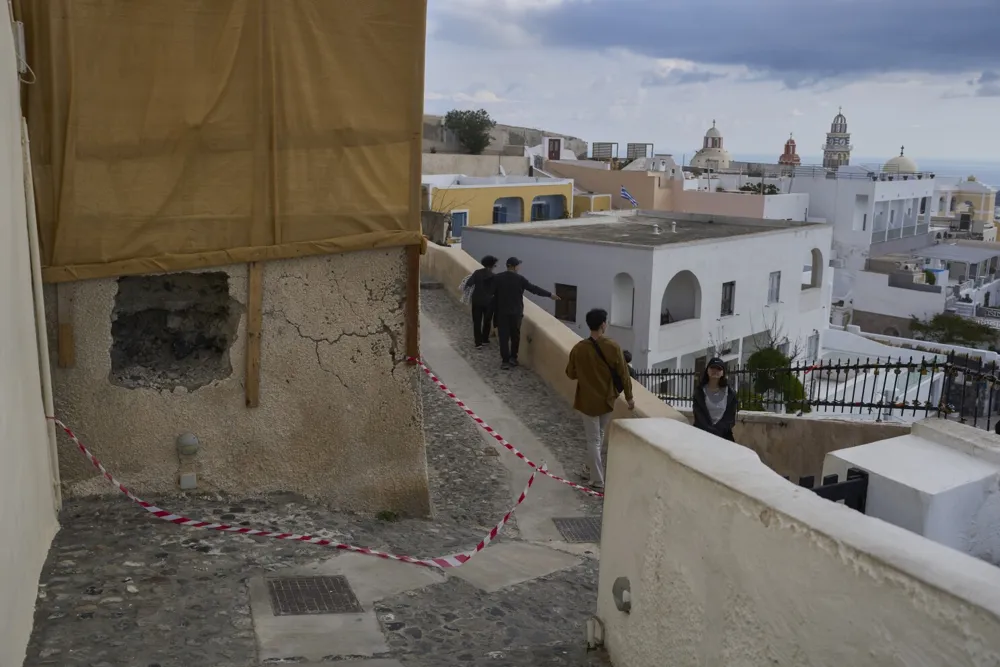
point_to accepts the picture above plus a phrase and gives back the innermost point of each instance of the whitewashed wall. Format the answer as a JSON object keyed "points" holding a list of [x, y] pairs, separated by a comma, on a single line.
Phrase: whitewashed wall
{"points": [[27, 504], [729, 564]]}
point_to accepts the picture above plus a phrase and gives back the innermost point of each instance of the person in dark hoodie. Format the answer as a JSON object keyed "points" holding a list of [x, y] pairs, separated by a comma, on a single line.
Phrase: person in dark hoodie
{"points": [[715, 402], [483, 290], [509, 287]]}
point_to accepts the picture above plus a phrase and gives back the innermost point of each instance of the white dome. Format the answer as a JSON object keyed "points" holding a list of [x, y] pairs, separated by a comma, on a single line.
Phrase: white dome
{"points": [[900, 164], [713, 132]]}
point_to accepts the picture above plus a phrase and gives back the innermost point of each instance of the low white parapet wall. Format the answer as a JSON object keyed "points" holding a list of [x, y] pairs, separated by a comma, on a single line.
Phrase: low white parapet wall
{"points": [[726, 563]]}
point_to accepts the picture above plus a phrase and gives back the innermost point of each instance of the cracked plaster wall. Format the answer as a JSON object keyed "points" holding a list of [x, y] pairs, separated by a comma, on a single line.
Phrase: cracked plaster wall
{"points": [[340, 417], [729, 564]]}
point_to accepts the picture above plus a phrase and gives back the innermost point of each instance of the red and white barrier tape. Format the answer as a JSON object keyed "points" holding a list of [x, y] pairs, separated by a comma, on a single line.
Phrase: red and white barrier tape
{"points": [[455, 560], [496, 436]]}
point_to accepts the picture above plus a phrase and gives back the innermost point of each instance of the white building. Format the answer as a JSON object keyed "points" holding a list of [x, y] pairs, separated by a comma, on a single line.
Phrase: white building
{"points": [[678, 287], [875, 213]]}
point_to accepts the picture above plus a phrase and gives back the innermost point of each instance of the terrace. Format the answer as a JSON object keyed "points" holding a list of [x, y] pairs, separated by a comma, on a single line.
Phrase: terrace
{"points": [[121, 588]]}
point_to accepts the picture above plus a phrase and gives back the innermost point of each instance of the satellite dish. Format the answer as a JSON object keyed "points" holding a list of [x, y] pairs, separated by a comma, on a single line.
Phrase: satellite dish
{"points": [[503, 172]]}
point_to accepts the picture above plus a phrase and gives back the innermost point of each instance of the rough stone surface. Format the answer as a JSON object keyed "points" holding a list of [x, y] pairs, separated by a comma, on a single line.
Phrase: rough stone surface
{"points": [[339, 417], [121, 589], [550, 418], [172, 330]]}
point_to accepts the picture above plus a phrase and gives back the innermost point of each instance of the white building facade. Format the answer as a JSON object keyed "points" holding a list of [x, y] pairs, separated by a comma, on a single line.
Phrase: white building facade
{"points": [[872, 214], [679, 288]]}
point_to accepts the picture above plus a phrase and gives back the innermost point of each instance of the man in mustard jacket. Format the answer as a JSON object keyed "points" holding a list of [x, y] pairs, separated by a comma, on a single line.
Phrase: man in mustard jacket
{"points": [[601, 373]]}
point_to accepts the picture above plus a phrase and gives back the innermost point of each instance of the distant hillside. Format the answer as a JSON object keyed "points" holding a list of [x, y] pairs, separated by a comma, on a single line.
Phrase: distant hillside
{"points": [[507, 139]]}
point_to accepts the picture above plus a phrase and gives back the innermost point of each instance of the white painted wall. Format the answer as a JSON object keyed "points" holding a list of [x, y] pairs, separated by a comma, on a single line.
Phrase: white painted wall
{"points": [[872, 294], [729, 564], [845, 203], [27, 507], [921, 482], [590, 267], [747, 259], [786, 207]]}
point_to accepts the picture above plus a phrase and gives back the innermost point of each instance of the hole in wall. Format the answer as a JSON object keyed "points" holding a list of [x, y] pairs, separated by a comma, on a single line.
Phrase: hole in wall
{"points": [[172, 331]]}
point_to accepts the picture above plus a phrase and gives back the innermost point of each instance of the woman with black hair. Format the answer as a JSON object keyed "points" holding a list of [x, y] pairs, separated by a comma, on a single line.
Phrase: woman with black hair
{"points": [[715, 402]]}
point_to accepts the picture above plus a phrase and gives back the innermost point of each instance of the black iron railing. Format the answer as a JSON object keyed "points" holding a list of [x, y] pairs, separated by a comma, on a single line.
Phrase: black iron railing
{"points": [[959, 387]]}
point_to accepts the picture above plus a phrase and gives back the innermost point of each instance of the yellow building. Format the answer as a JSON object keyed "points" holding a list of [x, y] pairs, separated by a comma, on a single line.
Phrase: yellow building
{"points": [[497, 199], [588, 202], [966, 204]]}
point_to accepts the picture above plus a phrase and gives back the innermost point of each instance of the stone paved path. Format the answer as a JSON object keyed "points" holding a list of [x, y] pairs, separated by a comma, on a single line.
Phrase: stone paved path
{"points": [[122, 589]]}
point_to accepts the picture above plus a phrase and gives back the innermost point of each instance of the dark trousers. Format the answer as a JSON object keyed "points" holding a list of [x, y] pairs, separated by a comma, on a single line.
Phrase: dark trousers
{"points": [[509, 330], [482, 323]]}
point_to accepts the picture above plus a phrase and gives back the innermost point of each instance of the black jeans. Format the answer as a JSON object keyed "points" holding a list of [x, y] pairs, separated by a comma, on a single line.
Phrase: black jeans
{"points": [[509, 329], [482, 323]]}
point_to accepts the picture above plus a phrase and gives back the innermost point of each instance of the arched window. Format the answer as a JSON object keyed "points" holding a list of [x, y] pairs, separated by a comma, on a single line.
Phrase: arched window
{"points": [[812, 271], [623, 301], [681, 300], [508, 209]]}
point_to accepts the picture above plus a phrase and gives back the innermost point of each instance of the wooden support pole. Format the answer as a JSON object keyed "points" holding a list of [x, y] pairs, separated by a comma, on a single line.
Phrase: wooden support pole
{"points": [[412, 310], [255, 302], [66, 345]]}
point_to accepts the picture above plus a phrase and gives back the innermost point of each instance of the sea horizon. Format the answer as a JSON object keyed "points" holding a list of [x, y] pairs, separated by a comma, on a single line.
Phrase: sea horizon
{"points": [[985, 171]]}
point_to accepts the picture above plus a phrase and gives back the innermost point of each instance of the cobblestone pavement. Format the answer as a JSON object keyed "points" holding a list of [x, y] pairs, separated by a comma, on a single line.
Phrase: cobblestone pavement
{"points": [[121, 589], [551, 419]]}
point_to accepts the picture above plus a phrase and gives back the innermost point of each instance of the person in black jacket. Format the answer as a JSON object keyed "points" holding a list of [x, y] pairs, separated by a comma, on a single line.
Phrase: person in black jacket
{"points": [[482, 283], [509, 288], [715, 402]]}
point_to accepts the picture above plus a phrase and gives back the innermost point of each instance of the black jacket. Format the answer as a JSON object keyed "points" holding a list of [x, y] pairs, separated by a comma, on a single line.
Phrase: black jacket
{"points": [[702, 420], [510, 287], [484, 287]]}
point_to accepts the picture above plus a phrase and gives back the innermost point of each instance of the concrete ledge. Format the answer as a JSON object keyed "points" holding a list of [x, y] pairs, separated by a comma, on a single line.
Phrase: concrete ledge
{"points": [[975, 441], [728, 563], [797, 446]]}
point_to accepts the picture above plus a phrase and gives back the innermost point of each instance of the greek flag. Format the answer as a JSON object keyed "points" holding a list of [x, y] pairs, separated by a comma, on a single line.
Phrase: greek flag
{"points": [[626, 195]]}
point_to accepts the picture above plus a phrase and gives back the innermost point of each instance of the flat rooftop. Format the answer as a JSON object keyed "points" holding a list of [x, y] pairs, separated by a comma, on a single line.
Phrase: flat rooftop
{"points": [[646, 230], [951, 252]]}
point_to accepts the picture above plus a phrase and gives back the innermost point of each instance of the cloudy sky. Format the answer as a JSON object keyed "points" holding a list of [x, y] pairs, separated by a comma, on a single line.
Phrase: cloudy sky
{"points": [[924, 73]]}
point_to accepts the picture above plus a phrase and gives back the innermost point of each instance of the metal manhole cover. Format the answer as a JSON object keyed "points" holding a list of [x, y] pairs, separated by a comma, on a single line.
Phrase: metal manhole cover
{"points": [[300, 596], [580, 529]]}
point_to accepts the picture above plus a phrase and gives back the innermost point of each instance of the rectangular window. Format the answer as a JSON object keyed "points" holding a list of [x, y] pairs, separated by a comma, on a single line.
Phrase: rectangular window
{"points": [[499, 215], [774, 287], [864, 222], [566, 306], [459, 219], [728, 298]]}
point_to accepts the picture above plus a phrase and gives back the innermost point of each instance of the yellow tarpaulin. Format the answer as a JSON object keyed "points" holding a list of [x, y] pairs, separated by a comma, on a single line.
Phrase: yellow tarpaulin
{"points": [[175, 134]]}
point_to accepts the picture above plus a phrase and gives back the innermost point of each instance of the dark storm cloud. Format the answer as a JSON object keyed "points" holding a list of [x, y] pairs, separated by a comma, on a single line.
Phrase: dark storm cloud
{"points": [[987, 83], [798, 41]]}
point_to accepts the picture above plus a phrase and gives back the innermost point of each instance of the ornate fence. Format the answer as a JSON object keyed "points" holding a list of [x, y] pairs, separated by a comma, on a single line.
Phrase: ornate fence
{"points": [[963, 388]]}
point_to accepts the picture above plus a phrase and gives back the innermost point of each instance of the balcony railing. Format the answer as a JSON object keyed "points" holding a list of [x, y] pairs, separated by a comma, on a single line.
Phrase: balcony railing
{"points": [[962, 388], [870, 174]]}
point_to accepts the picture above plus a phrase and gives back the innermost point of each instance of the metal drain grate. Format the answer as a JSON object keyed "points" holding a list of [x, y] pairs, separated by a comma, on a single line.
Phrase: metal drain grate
{"points": [[301, 596], [580, 528]]}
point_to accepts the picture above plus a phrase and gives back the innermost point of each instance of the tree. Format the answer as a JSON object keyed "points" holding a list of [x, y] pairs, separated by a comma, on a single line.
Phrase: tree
{"points": [[954, 330], [471, 127], [758, 188], [770, 367]]}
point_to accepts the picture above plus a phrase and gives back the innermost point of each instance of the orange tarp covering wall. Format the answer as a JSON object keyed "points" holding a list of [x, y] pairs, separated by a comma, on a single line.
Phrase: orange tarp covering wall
{"points": [[175, 134]]}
